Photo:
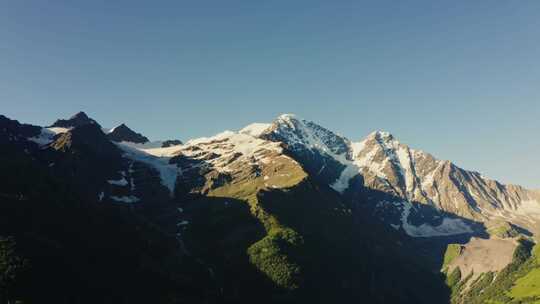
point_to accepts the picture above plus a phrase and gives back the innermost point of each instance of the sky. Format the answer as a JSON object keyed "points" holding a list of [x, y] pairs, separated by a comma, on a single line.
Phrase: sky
{"points": [[458, 79]]}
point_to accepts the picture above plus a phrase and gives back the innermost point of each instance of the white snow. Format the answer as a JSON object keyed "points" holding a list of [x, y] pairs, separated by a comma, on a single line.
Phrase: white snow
{"points": [[148, 145], [405, 161], [182, 223], [120, 182], [168, 172], [255, 129], [226, 145], [101, 195], [354, 167], [111, 130], [429, 178], [163, 152], [47, 134], [126, 199], [58, 130]]}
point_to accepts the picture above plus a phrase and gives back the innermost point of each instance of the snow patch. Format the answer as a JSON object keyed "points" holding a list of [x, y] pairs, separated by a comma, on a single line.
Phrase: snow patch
{"points": [[126, 199], [148, 145], [255, 129], [449, 226], [120, 182], [168, 172], [58, 130], [47, 135]]}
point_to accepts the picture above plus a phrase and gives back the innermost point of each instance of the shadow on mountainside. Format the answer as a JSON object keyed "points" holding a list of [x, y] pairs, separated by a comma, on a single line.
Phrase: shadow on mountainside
{"points": [[314, 251], [389, 209], [367, 260]]}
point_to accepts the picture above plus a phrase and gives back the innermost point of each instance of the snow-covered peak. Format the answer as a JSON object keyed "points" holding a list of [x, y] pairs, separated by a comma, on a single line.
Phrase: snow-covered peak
{"points": [[381, 136], [287, 116], [301, 134], [255, 129]]}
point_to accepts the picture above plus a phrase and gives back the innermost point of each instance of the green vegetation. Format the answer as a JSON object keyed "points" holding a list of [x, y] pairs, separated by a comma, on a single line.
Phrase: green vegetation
{"points": [[272, 256], [452, 252], [503, 230], [527, 288], [453, 279], [493, 288]]}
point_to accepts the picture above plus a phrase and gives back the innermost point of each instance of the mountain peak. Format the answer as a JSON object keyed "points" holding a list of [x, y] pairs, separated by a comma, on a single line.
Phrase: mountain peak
{"points": [[287, 116], [77, 120], [124, 133], [79, 115], [255, 129], [381, 135], [121, 126]]}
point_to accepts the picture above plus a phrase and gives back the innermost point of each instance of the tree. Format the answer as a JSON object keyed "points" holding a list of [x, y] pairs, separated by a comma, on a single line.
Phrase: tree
{"points": [[11, 268]]}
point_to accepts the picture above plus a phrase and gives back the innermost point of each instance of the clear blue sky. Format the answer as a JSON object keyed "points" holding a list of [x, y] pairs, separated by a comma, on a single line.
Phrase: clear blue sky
{"points": [[459, 79]]}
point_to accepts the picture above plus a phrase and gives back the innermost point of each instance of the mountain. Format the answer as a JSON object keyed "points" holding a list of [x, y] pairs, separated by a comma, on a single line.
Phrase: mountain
{"points": [[123, 133], [393, 174], [286, 211], [76, 120]]}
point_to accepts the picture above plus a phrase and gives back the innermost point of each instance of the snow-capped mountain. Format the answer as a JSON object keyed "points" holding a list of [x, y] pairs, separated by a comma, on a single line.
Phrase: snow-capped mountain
{"points": [[405, 187], [275, 191], [400, 178]]}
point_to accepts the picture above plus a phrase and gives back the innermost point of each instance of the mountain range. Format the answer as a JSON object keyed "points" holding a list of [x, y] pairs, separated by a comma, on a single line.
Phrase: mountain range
{"points": [[286, 211]]}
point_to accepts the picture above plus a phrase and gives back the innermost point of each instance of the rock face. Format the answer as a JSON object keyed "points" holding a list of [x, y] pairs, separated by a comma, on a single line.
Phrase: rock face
{"points": [[170, 143], [123, 133], [76, 120], [321, 152]]}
